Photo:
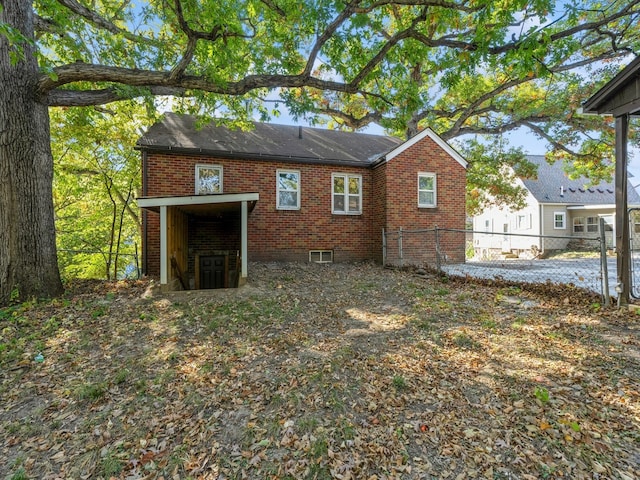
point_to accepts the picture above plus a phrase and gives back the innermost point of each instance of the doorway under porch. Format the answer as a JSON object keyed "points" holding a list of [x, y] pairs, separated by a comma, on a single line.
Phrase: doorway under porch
{"points": [[203, 239]]}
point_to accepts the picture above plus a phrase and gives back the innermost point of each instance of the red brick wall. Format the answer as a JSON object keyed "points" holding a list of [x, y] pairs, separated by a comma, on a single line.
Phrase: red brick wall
{"points": [[207, 235], [379, 205], [389, 200], [402, 192], [286, 235]]}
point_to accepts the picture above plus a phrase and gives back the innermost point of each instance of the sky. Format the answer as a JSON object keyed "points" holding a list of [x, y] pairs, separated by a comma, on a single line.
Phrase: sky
{"points": [[522, 137]]}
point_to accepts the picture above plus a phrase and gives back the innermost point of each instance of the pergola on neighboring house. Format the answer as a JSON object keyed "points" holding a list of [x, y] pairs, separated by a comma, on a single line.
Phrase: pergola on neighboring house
{"points": [[620, 97]]}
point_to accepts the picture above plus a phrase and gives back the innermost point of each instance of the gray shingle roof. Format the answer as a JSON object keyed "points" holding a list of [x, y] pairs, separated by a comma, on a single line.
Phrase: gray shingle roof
{"points": [[268, 141], [547, 187]]}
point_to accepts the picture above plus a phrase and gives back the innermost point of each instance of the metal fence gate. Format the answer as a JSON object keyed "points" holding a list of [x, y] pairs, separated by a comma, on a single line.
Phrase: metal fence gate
{"points": [[634, 249]]}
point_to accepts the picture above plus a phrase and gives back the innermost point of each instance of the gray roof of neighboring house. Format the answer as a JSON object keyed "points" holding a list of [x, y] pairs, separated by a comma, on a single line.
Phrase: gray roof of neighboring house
{"points": [[180, 133], [547, 187]]}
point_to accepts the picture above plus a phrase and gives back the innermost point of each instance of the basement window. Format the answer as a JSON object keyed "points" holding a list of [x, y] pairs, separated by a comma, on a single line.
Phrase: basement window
{"points": [[321, 256]]}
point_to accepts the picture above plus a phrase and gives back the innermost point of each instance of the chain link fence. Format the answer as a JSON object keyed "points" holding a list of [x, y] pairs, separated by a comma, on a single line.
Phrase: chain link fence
{"points": [[584, 261]]}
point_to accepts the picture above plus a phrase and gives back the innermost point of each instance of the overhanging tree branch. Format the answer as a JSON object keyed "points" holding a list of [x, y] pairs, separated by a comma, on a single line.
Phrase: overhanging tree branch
{"points": [[79, 71], [92, 17]]}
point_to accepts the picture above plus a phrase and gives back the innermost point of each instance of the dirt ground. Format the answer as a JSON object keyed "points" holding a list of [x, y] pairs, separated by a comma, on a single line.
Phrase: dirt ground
{"points": [[318, 372]]}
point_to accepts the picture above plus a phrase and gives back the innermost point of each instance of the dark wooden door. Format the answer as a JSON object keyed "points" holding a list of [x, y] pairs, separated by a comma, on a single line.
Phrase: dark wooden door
{"points": [[212, 272]]}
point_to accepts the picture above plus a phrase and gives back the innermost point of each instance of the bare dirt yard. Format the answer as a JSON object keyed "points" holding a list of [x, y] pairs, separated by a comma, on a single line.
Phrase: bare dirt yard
{"points": [[319, 372]]}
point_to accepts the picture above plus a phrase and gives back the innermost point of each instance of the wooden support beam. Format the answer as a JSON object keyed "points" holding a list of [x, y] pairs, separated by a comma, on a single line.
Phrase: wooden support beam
{"points": [[622, 212]]}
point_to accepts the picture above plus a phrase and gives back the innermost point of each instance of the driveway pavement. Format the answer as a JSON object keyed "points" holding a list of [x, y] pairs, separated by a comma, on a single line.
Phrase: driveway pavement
{"points": [[583, 272]]}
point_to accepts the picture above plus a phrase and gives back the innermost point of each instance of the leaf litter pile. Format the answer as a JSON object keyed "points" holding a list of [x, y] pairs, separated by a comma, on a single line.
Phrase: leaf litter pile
{"points": [[319, 372]]}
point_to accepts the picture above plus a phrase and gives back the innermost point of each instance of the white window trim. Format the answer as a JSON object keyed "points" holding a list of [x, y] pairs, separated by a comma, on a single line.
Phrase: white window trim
{"points": [[286, 207], [583, 224], [564, 220], [321, 256], [523, 221], [346, 176], [197, 177], [435, 190], [596, 224]]}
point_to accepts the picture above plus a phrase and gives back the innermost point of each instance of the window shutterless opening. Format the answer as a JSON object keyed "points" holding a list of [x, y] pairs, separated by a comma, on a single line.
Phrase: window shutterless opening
{"points": [[321, 256]]}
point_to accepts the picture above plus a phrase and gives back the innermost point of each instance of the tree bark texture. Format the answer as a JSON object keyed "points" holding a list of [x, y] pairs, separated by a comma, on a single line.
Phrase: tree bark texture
{"points": [[28, 258]]}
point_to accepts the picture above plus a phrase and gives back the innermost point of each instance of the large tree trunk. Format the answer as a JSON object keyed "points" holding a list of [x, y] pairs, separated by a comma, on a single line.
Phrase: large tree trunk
{"points": [[28, 259]]}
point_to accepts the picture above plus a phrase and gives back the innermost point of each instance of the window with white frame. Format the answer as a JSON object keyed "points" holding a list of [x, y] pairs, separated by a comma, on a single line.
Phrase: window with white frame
{"points": [[524, 222], [288, 190], [588, 224], [559, 220], [321, 256], [346, 198], [208, 179], [426, 190]]}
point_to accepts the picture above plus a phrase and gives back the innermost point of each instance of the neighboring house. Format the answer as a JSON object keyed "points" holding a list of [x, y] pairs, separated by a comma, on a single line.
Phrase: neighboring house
{"points": [[556, 206], [214, 198]]}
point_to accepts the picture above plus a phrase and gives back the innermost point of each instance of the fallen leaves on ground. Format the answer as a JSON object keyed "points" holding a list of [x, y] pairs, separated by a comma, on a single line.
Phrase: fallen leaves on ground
{"points": [[317, 372]]}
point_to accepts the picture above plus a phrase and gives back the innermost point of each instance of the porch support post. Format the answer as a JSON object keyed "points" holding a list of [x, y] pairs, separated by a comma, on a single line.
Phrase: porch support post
{"points": [[243, 240], [164, 277], [622, 212]]}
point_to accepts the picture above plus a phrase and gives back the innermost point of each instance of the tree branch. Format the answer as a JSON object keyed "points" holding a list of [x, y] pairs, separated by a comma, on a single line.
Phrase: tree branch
{"points": [[96, 20], [86, 98], [552, 141], [351, 121], [85, 72], [326, 35], [422, 3]]}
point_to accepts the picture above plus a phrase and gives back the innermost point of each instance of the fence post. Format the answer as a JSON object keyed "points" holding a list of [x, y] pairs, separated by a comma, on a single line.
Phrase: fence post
{"points": [[137, 262], [604, 267], [400, 245], [384, 247], [438, 262]]}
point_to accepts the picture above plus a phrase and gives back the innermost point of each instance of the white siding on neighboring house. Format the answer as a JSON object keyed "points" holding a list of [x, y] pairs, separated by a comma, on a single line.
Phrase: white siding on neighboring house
{"points": [[489, 221], [558, 206], [510, 229], [526, 222], [549, 212]]}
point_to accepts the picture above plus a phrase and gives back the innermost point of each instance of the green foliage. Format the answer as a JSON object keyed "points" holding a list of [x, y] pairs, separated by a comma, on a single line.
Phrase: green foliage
{"points": [[399, 382], [19, 474], [91, 391], [542, 394], [14, 295], [96, 181], [514, 67], [110, 465], [15, 39], [464, 340]]}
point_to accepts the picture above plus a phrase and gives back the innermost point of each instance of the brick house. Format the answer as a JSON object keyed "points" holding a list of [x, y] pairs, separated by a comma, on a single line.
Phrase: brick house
{"points": [[213, 198]]}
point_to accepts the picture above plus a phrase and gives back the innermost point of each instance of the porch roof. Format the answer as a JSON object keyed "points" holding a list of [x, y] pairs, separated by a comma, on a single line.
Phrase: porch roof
{"points": [[201, 204]]}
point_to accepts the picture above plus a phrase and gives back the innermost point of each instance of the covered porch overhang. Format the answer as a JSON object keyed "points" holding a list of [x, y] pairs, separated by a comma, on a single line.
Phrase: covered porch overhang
{"points": [[620, 97], [197, 205]]}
